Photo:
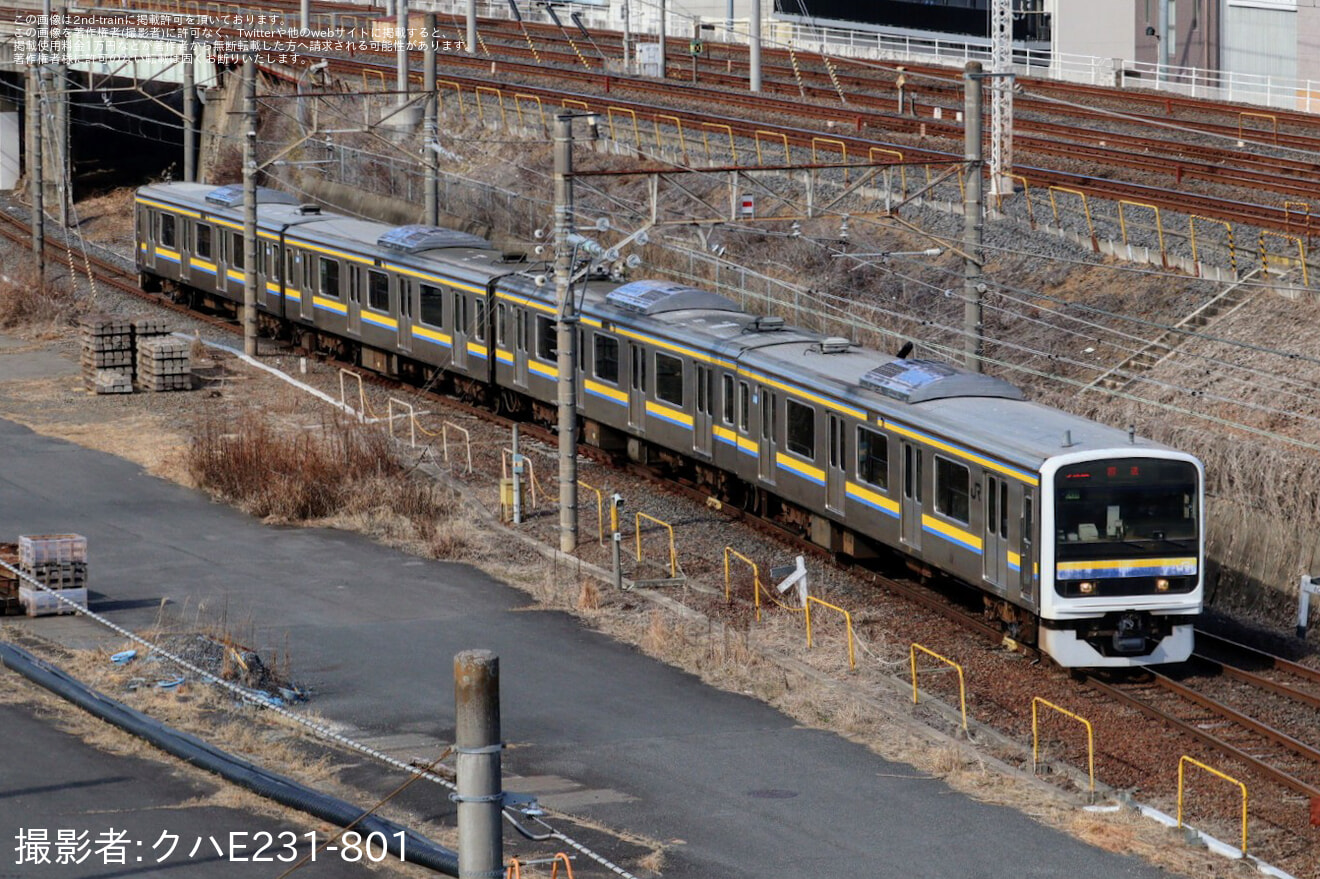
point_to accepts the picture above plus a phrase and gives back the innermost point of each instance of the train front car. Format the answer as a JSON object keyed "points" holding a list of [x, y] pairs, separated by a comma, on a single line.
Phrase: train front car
{"points": [[1122, 556]]}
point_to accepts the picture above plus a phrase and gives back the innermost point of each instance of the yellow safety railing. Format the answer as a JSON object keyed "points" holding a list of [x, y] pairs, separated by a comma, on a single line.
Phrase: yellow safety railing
{"points": [[1036, 702], [506, 459], [574, 102], [678, 123], [1292, 207], [1228, 228], [962, 681], [1159, 224], [728, 130], [517, 105], [1247, 114], [380, 78], [673, 553], [1301, 252], [902, 169], [1086, 206], [458, 90], [499, 99], [1182, 763], [843, 150], [772, 135], [600, 510], [362, 394], [730, 552], [445, 427], [412, 419], [624, 111], [847, 618], [1026, 194]]}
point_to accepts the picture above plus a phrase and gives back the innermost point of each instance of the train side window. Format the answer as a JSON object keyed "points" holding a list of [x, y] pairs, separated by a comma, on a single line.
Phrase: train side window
{"points": [[1003, 509], [289, 271], [726, 392], [768, 406], [953, 489], [991, 504], [405, 297], [607, 358], [307, 271], [433, 306], [329, 277], [237, 254], [460, 314], [873, 458], [547, 347], [378, 290], [668, 379], [167, 230], [744, 407], [275, 262], [522, 330], [479, 327], [202, 248], [800, 429], [501, 324]]}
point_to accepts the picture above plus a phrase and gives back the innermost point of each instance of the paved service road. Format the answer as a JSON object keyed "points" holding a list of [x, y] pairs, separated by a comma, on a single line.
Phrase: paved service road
{"points": [[602, 730]]}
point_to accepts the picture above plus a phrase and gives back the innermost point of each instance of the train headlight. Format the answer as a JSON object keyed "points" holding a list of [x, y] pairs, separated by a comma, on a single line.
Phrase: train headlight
{"points": [[1162, 584], [1086, 587]]}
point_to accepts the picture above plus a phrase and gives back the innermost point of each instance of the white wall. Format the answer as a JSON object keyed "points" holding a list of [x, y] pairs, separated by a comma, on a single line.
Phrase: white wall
{"points": [[10, 149], [1087, 27]]}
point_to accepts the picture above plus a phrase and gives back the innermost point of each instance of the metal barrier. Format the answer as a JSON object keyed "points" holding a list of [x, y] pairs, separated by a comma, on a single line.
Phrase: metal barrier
{"points": [[673, 554], [362, 394], [1182, 762], [733, 148], [600, 510], [1290, 207], [962, 682], [1232, 249], [771, 134], [1026, 194], [637, 135], [756, 578], [1244, 114], [380, 77], [540, 110], [678, 123], [412, 420], [445, 427], [1301, 253], [1086, 207], [1036, 702], [902, 169], [1159, 224], [582, 105], [847, 618], [843, 149], [499, 97], [458, 91], [560, 857]]}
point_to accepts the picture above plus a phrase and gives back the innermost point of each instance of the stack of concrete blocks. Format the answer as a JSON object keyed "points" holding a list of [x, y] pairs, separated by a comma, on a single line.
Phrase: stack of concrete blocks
{"points": [[107, 354], [163, 364], [58, 562]]}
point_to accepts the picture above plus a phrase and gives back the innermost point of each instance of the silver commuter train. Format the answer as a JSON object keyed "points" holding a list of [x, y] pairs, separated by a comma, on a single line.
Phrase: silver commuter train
{"points": [[1083, 538]]}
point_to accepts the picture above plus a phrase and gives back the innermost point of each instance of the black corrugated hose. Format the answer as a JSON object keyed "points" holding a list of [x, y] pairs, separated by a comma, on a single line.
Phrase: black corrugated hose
{"points": [[419, 850]]}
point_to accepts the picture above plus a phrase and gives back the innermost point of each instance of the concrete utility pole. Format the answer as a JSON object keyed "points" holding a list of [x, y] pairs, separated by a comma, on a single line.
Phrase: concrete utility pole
{"points": [[63, 144], [627, 38], [250, 205], [567, 331], [477, 747], [190, 110], [36, 175], [973, 229], [1163, 38], [401, 50], [305, 14], [754, 46], [472, 27], [664, 30], [430, 130]]}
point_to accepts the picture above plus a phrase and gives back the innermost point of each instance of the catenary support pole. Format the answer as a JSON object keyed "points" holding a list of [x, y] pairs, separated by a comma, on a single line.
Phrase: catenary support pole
{"points": [[472, 27], [754, 45], [973, 226], [1163, 37], [627, 38], [250, 205], [190, 109], [430, 128], [305, 15], [477, 747], [664, 31], [401, 50], [63, 144], [36, 174], [567, 332]]}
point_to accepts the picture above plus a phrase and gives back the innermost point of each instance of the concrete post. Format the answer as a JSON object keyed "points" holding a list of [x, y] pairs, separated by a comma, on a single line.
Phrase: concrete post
{"points": [[36, 174], [567, 333], [430, 127], [754, 46], [664, 29], [250, 205], [401, 50], [973, 228], [305, 15], [1163, 37], [477, 747], [472, 27], [190, 110], [517, 479]]}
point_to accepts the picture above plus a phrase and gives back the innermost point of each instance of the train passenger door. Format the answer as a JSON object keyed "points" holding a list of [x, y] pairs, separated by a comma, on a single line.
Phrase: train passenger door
{"points": [[1026, 557], [995, 547], [835, 473], [406, 288], [705, 414], [766, 448], [304, 265], [461, 330], [147, 233], [911, 512], [354, 299], [521, 349], [185, 246], [636, 387]]}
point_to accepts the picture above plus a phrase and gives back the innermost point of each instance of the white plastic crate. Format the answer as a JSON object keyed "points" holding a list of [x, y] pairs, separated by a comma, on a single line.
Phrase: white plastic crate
{"points": [[41, 549]]}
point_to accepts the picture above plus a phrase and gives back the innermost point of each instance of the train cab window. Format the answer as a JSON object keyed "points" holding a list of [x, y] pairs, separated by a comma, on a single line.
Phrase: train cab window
{"points": [[607, 358], [378, 290], [202, 244], [479, 326], [237, 253], [433, 306], [166, 230], [873, 458], [329, 277], [726, 392], [744, 407], [952, 489], [668, 379], [800, 429], [547, 343], [501, 324]]}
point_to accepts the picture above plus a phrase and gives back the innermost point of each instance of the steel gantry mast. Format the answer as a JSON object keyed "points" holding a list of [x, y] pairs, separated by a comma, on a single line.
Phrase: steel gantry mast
{"points": [[1001, 103]]}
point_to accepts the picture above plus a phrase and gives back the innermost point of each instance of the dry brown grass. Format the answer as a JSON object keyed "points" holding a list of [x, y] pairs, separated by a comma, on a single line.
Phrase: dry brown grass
{"points": [[25, 304]]}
